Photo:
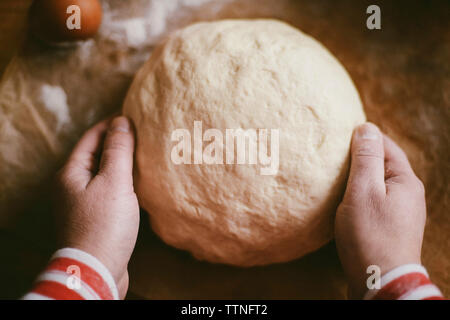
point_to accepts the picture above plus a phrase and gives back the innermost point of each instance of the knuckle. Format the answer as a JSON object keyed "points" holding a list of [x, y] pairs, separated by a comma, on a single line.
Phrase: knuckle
{"points": [[61, 176], [363, 168], [67, 178], [363, 194], [62, 183], [88, 161], [368, 150], [371, 193], [373, 199], [104, 179], [345, 206], [118, 141], [368, 154], [414, 184]]}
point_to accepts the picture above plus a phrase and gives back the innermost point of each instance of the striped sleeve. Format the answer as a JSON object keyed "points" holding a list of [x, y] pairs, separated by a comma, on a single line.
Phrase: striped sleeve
{"points": [[406, 282], [73, 274]]}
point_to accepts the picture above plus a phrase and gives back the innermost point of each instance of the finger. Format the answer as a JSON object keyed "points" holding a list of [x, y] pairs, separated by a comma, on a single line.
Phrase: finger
{"points": [[118, 149], [367, 160], [397, 167], [82, 162]]}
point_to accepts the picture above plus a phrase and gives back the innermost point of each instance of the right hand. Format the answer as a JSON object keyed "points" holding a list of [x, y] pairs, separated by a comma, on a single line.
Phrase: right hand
{"points": [[381, 219]]}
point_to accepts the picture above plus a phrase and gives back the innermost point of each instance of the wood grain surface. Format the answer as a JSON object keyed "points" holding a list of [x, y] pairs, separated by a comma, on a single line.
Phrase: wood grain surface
{"points": [[12, 28]]}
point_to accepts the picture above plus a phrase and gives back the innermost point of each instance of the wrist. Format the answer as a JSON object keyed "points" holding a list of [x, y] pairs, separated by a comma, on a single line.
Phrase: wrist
{"points": [[360, 285], [405, 282], [74, 275], [113, 268]]}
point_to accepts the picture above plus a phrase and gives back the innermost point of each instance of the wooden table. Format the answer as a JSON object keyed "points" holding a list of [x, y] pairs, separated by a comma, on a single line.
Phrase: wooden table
{"points": [[401, 73], [13, 15]]}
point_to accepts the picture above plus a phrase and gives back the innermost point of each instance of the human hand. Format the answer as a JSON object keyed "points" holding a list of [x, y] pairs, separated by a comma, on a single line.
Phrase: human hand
{"points": [[381, 219], [97, 209]]}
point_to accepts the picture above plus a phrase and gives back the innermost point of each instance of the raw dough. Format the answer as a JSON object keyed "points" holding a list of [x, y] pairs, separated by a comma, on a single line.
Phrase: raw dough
{"points": [[250, 74]]}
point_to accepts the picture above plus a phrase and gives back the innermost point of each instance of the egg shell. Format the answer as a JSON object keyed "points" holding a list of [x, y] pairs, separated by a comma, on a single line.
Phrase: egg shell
{"points": [[48, 19]]}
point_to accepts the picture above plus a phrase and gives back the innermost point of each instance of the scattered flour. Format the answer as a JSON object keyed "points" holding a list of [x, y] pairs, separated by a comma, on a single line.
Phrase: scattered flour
{"points": [[54, 99], [150, 24]]}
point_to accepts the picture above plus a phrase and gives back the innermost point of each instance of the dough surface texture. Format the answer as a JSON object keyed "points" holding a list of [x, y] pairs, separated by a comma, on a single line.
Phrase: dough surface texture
{"points": [[249, 74]]}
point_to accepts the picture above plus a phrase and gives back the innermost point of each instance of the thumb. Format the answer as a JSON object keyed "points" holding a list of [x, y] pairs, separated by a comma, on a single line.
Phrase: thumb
{"points": [[117, 157], [367, 160]]}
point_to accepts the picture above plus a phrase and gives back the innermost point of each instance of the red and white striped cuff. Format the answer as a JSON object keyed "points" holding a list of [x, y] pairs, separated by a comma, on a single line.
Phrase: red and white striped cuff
{"points": [[73, 274], [406, 282]]}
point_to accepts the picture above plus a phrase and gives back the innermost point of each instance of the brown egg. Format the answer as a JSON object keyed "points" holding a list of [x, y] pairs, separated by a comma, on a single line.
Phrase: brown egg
{"points": [[48, 19]]}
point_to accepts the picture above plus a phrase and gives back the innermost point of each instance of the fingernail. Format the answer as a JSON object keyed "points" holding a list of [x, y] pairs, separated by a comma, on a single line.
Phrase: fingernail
{"points": [[368, 131], [120, 124]]}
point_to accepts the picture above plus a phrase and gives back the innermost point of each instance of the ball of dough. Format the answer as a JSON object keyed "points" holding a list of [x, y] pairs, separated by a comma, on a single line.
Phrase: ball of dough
{"points": [[249, 74]]}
